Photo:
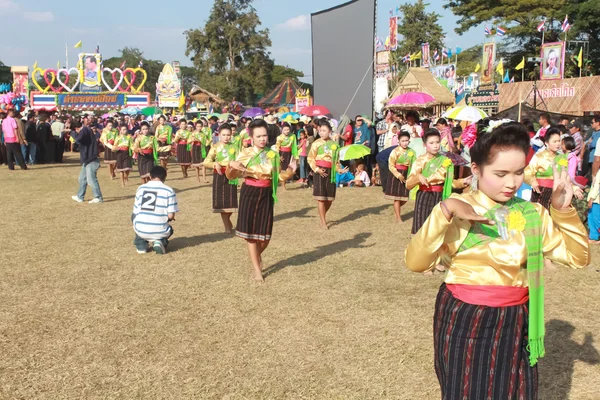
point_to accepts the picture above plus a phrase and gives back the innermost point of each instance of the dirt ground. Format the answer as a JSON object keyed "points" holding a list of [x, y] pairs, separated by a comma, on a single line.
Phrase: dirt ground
{"points": [[339, 317]]}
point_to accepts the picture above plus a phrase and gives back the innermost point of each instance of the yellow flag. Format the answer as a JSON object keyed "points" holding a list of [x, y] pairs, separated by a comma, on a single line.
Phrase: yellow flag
{"points": [[500, 68], [521, 64], [418, 55], [35, 65], [78, 44], [181, 100], [57, 65], [580, 58], [477, 67]]}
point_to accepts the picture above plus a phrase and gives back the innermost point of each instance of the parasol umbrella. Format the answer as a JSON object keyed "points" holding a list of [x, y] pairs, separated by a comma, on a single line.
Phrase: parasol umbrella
{"points": [[465, 113], [312, 111], [253, 112], [225, 116], [148, 111], [209, 116], [292, 115], [130, 111], [354, 151], [411, 100]]}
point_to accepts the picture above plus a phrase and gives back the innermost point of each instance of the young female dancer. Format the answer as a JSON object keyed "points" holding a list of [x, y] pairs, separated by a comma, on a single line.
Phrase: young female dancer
{"points": [[163, 134], [434, 174], [244, 136], [399, 164], [489, 313], [261, 169], [124, 147], [184, 158], [107, 138], [538, 173], [198, 143], [145, 146], [322, 158], [286, 146], [224, 198]]}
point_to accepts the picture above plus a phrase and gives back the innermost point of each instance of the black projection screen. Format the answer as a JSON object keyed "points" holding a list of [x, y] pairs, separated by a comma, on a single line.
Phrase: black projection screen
{"points": [[343, 48]]}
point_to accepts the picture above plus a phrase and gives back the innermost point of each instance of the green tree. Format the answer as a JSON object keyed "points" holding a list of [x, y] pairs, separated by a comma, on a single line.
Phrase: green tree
{"points": [[521, 19], [280, 73], [416, 27], [230, 51]]}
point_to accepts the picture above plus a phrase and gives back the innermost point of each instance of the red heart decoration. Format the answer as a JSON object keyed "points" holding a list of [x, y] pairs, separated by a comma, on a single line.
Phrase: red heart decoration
{"points": [[129, 82], [51, 80]]}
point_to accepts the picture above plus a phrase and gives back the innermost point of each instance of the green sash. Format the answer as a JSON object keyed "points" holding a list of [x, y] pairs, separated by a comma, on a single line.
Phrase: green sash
{"points": [[435, 164], [523, 217], [408, 156], [332, 148], [290, 141], [229, 152], [168, 129], [268, 156]]}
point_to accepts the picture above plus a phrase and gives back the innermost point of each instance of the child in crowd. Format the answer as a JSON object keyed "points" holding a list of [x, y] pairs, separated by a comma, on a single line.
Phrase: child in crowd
{"points": [[303, 153], [568, 145], [154, 207], [361, 178], [594, 210]]}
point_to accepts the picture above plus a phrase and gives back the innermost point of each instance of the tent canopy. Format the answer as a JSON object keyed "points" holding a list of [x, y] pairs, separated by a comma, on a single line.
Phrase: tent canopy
{"points": [[421, 80], [284, 93], [204, 96]]}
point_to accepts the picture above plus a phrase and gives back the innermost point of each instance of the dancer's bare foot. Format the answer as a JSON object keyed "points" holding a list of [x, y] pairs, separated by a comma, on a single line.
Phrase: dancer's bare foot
{"points": [[258, 278], [324, 226], [206, 181]]}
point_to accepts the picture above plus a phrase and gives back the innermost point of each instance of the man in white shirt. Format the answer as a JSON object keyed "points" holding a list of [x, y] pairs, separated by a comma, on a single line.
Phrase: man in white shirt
{"points": [[537, 142], [155, 206]]}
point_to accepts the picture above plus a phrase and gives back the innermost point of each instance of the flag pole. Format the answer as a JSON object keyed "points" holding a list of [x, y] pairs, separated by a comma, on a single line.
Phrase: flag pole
{"points": [[543, 34], [66, 54]]}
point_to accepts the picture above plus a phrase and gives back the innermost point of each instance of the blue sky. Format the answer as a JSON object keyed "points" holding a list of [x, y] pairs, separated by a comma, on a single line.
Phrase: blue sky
{"points": [[41, 28]]}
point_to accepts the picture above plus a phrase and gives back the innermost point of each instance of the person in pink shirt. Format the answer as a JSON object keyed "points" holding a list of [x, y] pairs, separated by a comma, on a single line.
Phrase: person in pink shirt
{"points": [[13, 139], [568, 145], [303, 154]]}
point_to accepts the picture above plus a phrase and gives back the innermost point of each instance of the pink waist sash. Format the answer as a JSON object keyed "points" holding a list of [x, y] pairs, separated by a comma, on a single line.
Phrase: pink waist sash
{"points": [[490, 295]]}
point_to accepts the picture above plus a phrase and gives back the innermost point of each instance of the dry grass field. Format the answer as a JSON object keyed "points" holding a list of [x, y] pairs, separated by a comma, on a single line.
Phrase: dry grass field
{"points": [[339, 317]]}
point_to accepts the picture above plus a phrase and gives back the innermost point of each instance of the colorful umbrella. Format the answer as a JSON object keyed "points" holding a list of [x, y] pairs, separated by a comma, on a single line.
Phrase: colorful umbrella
{"points": [[130, 111], [150, 111], [292, 115], [312, 111], [253, 112], [225, 116], [411, 100], [209, 116], [465, 113], [354, 151]]}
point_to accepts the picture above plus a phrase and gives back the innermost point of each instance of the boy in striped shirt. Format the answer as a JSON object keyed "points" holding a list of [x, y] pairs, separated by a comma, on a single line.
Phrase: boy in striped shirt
{"points": [[155, 206]]}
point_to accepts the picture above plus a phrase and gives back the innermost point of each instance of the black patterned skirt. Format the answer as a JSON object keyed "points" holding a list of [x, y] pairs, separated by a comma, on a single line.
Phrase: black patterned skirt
{"points": [[124, 161], [110, 157], [145, 164], [183, 155], [286, 157], [424, 205], [481, 352], [323, 189], [163, 155], [544, 198], [197, 158], [224, 195], [395, 189], [255, 213]]}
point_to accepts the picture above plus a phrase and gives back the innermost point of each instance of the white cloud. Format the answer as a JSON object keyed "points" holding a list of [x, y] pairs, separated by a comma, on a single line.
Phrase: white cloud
{"points": [[38, 16], [298, 23], [7, 6]]}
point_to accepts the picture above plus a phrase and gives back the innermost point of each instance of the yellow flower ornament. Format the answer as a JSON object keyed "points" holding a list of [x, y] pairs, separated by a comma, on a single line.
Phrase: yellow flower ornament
{"points": [[563, 162], [447, 162], [411, 153], [516, 221], [271, 155], [232, 151], [334, 147]]}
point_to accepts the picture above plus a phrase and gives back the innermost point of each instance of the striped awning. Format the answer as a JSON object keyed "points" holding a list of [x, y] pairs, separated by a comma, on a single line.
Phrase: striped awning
{"points": [[284, 93]]}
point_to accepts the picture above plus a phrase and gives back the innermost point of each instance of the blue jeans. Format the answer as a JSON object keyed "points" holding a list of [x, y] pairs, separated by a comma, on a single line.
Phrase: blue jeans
{"points": [[142, 244], [88, 175], [302, 167], [594, 221], [32, 149]]}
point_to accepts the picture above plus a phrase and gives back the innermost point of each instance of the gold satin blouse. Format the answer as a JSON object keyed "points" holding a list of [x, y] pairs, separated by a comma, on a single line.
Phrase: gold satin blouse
{"points": [[211, 157], [261, 171], [143, 143], [314, 156], [437, 178], [539, 163], [498, 262], [392, 161]]}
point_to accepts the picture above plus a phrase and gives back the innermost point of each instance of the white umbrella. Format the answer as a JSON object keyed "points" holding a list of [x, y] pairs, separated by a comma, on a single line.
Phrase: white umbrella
{"points": [[465, 113]]}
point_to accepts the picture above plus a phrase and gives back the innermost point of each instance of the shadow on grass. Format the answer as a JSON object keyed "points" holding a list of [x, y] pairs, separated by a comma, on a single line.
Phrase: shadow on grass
{"points": [[294, 214], [179, 243], [361, 213], [357, 242], [558, 366], [408, 215]]}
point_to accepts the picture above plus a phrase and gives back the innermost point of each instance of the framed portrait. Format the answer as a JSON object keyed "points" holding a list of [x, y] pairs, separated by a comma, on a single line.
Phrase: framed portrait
{"points": [[90, 70], [488, 61], [553, 61], [425, 55]]}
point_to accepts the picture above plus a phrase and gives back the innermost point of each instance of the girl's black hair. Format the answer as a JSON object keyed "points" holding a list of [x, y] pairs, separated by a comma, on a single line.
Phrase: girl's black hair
{"points": [[506, 136], [528, 124], [569, 143], [326, 124], [553, 130], [181, 120], [430, 133], [123, 126], [257, 123], [309, 130], [403, 134], [145, 123], [286, 125], [414, 114], [225, 126]]}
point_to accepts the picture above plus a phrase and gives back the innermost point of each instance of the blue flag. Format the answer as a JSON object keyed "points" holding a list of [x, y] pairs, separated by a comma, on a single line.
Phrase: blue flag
{"points": [[506, 78], [458, 50], [449, 53]]}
